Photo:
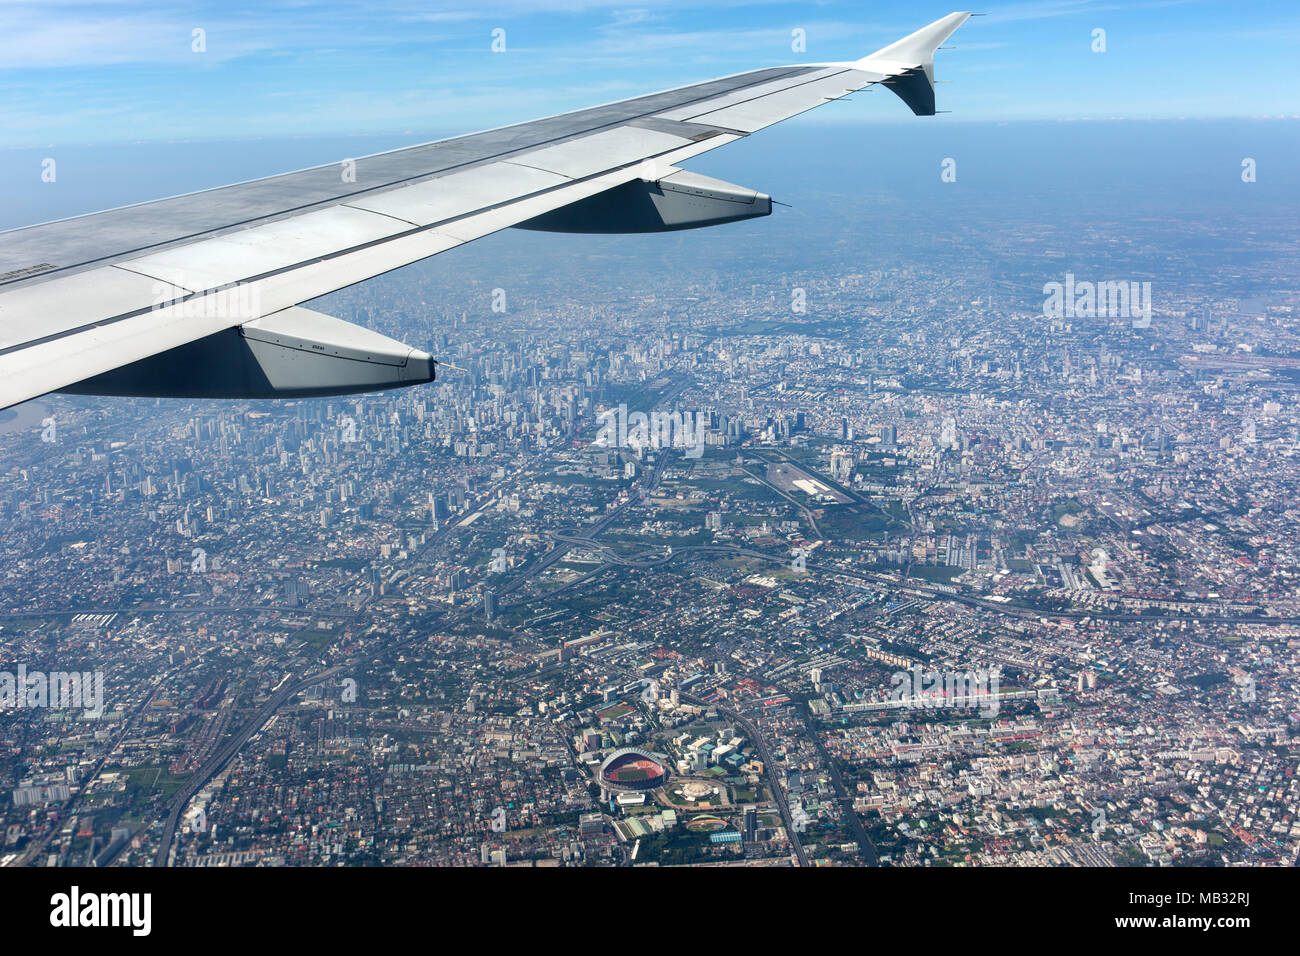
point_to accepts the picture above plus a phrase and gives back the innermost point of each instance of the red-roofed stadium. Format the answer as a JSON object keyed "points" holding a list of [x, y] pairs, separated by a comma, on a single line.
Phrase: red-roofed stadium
{"points": [[633, 769]]}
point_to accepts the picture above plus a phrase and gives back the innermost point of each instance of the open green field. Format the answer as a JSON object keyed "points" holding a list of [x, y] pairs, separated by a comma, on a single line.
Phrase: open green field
{"points": [[857, 522]]}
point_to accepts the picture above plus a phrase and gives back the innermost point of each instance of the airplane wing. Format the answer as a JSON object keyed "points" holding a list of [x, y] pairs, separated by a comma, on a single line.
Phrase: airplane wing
{"points": [[198, 295]]}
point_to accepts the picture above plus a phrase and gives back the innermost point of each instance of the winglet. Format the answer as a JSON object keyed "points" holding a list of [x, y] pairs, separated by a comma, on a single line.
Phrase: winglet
{"points": [[909, 63]]}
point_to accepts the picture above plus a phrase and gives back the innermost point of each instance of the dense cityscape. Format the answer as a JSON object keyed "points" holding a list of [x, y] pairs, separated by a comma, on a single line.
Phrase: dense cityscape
{"points": [[749, 555]]}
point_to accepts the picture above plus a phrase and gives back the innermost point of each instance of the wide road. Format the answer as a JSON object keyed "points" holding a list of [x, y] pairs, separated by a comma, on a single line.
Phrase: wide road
{"points": [[876, 578], [226, 753], [865, 845], [779, 795]]}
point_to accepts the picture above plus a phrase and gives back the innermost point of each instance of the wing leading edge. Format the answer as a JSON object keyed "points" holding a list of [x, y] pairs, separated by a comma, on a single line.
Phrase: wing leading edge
{"points": [[198, 295]]}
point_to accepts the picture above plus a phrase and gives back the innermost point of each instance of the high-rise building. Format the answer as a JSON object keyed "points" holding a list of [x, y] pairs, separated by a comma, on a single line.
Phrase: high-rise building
{"points": [[841, 465]]}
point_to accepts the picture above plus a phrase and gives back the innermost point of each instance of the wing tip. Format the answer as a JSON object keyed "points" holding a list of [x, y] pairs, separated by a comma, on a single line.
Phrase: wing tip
{"points": [[909, 62], [917, 48]]}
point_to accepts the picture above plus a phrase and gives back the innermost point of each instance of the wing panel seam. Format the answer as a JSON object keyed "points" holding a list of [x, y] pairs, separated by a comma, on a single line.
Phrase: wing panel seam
{"points": [[431, 227], [343, 200]]}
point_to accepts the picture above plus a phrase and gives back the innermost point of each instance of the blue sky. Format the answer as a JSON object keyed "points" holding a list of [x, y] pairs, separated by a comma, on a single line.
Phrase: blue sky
{"points": [[106, 71]]}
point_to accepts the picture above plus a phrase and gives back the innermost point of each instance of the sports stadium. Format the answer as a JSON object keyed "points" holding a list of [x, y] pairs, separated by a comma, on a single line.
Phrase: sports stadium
{"points": [[633, 769]]}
